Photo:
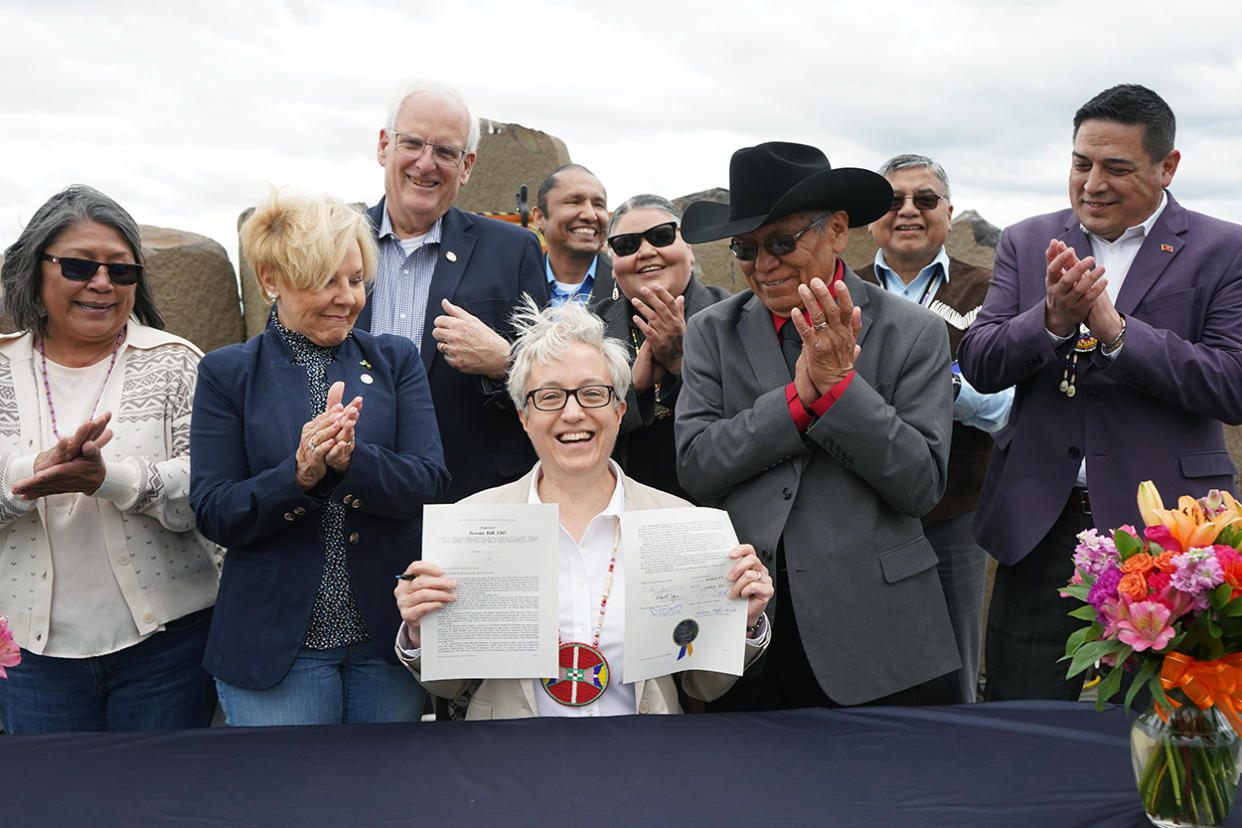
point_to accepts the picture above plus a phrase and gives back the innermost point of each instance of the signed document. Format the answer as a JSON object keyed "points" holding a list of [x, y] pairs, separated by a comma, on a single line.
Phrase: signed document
{"points": [[677, 612], [504, 621]]}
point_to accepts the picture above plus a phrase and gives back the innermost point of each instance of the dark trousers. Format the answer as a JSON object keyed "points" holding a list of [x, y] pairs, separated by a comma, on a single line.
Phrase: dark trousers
{"points": [[785, 680], [1027, 620]]}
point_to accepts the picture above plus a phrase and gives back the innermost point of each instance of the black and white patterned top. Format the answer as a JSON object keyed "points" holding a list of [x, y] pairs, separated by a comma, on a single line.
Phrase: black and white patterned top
{"points": [[335, 619]]}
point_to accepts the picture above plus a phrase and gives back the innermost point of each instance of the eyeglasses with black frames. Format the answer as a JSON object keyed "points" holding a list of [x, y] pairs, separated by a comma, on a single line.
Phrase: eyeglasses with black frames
{"points": [[83, 270], [782, 245], [627, 244], [550, 398], [411, 146]]}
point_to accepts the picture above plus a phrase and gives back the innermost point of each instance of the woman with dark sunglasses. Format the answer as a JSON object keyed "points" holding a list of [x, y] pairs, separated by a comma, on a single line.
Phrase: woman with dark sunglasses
{"points": [[655, 293], [108, 586]]}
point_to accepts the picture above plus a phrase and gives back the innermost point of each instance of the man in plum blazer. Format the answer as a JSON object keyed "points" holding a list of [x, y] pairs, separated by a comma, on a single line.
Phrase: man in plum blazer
{"points": [[1118, 321], [449, 280]]}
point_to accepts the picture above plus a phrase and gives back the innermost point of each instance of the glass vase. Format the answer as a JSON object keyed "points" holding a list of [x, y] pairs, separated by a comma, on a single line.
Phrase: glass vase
{"points": [[1185, 765]]}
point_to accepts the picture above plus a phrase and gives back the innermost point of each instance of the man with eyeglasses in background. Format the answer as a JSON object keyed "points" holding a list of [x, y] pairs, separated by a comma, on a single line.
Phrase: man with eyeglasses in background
{"points": [[912, 262], [449, 281], [816, 409], [571, 211], [1117, 321]]}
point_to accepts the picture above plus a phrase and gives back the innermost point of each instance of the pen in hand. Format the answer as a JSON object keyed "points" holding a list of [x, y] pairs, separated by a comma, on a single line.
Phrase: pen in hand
{"points": [[406, 576]]}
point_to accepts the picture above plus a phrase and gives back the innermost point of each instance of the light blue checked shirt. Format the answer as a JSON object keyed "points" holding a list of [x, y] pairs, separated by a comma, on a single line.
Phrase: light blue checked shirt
{"points": [[403, 283]]}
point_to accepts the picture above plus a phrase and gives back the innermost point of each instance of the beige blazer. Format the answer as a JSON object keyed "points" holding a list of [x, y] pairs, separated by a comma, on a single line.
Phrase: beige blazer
{"points": [[515, 698]]}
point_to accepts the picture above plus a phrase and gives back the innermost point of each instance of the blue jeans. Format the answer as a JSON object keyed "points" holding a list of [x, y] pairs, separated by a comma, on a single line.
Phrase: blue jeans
{"points": [[344, 685], [157, 684]]}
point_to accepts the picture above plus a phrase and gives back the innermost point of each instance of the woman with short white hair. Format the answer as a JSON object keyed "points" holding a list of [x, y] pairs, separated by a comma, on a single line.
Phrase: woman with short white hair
{"points": [[569, 381]]}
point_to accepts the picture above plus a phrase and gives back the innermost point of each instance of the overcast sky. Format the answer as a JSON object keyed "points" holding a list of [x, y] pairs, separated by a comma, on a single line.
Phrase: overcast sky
{"points": [[183, 111]]}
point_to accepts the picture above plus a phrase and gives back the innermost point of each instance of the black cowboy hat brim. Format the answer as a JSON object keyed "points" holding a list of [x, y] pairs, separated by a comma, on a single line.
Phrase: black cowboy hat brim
{"points": [[864, 195]]}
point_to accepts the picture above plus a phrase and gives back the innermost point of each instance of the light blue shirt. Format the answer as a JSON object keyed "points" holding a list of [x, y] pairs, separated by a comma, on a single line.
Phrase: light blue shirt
{"points": [[403, 283], [986, 412], [579, 293]]}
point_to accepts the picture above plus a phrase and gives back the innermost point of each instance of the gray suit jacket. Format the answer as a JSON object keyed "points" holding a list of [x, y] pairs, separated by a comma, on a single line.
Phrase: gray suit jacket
{"points": [[846, 497]]}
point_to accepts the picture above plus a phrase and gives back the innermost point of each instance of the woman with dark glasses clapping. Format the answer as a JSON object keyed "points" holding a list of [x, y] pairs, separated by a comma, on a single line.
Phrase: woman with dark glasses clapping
{"points": [[108, 586], [655, 293]]}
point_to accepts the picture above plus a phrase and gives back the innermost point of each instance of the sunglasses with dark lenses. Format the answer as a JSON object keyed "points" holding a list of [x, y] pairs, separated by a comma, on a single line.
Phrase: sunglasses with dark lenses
{"points": [[922, 201], [83, 270], [782, 245], [627, 244]]}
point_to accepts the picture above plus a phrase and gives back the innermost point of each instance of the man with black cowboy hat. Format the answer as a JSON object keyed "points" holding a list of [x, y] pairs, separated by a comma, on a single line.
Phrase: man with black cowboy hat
{"points": [[815, 408]]}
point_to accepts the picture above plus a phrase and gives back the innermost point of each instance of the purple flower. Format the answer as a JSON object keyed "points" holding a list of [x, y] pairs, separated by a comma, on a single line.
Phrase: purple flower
{"points": [[1094, 554], [1197, 572], [1105, 587]]}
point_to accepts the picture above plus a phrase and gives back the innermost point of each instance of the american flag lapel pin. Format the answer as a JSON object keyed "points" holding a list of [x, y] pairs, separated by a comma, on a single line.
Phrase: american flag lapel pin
{"points": [[1166, 248]]}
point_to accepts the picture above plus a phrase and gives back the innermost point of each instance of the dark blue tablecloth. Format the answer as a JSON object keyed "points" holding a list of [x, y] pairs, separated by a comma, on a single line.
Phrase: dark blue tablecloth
{"points": [[1038, 764]]}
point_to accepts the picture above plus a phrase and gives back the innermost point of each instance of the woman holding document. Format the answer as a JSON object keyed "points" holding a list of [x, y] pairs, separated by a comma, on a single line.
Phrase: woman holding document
{"points": [[568, 382]]}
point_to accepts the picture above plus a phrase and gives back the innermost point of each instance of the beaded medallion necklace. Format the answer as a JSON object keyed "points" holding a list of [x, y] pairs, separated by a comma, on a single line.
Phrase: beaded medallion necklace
{"points": [[582, 675]]}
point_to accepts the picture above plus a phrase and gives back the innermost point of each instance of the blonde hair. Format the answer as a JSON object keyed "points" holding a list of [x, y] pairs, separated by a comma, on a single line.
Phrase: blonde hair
{"points": [[300, 240]]}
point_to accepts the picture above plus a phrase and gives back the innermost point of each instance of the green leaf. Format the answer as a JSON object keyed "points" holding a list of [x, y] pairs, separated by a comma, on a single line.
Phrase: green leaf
{"points": [[1149, 669], [1076, 640], [1126, 544], [1157, 692], [1232, 609], [1086, 613], [1111, 683], [1079, 591], [1230, 536], [1220, 596], [1090, 653]]}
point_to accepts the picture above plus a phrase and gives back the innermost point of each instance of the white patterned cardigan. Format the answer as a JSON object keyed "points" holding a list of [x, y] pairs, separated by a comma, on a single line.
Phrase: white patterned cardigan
{"points": [[164, 568]]}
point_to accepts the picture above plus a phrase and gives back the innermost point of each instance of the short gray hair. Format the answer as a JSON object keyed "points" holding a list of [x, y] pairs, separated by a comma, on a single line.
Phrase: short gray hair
{"points": [[21, 276], [543, 334], [644, 201], [918, 162], [418, 86]]}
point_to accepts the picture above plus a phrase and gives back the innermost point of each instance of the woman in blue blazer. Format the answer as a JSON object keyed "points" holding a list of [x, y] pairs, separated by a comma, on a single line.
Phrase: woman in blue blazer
{"points": [[318, 500]]}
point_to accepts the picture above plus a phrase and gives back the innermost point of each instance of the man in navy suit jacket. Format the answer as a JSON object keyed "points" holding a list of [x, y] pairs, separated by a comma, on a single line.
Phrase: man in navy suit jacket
{"points": [[1118, 323], [448, 281]]}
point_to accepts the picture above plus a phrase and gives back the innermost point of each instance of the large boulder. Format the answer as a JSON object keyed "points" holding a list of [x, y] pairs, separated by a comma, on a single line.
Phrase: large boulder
{"points": [[509, 156], [716, 264], [194, 285]]}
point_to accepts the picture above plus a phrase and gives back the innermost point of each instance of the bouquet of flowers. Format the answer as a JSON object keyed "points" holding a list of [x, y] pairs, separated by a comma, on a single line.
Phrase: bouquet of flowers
{"points": [[1168, 604], [10, 653]]}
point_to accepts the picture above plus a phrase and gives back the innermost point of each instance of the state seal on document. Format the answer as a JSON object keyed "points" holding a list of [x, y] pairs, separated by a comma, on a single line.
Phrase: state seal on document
{"points": [[683, 636]]}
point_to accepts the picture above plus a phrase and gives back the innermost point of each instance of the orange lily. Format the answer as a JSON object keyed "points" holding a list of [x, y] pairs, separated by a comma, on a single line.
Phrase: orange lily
{"points": [[1188, 523]]}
